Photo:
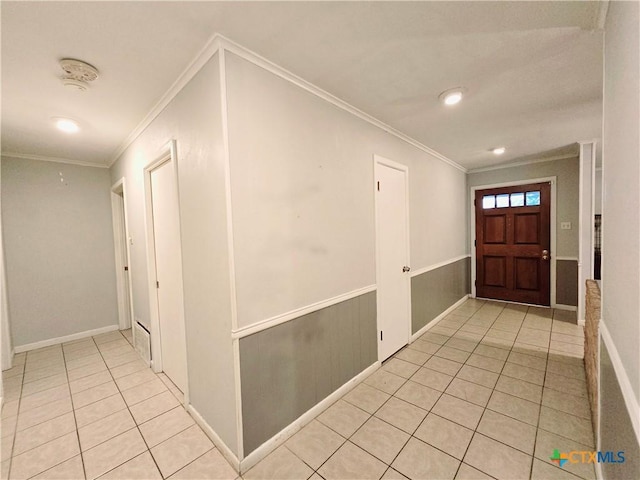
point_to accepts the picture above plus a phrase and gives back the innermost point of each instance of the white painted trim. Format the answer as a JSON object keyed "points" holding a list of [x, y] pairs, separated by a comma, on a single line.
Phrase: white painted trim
{"points": [[567, 259], [586, 227], [501, 166], [229, 202], [120, 218], [233, 296], [262, 62], [582, 323], [552, 232], [439, 265], [298, 312], [633, 407], [219, 42], [279, 438], [67, 338], [436, 320], [43, 158], [214, 437], [599, 474], [188, 73], [168, 153], [378, 160]]}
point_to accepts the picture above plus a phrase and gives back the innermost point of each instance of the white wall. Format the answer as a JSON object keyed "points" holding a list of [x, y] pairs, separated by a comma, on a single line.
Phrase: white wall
{"points": [[303, 198], [59, 249], [621, 188], [193, 119]]}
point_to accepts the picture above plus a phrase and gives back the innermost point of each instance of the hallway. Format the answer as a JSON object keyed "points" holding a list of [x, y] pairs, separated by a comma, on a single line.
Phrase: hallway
{"points": [[490, 392]]}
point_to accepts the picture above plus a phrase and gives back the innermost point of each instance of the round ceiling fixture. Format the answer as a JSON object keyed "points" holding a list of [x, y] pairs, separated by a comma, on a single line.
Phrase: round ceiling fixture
{"points": [[499, 150], [452, 96], [66, 125], [77, 74]]}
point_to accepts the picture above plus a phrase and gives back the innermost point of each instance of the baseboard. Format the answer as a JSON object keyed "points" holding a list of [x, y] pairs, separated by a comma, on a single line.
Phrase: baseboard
{"points": [[599, 471], [632, 405], [582, 323], [561, 306], [279, 438], [213, 436], [434, 322], [66, 338]]}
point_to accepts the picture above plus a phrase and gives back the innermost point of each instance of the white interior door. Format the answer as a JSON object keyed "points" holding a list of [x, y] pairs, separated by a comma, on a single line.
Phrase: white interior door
{"points": [[392, 246], [166, 237]]}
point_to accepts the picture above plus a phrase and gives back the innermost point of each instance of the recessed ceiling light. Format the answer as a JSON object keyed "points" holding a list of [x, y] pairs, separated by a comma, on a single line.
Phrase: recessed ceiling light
{"points": [[452, 96], [499, 150], [66, 125]]}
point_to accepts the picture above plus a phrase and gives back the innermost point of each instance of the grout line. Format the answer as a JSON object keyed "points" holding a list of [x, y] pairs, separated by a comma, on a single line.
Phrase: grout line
{"points": [[73, 411], [128, 408]]}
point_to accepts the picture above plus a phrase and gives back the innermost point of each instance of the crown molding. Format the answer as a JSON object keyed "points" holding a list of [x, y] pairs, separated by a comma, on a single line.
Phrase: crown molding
{"points": [[268, 65], [524, 162], [218, 42], [203, 56], [43, 158]]}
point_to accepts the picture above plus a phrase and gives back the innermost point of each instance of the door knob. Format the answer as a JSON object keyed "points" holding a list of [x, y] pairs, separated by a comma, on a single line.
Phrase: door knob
{"points": [[545, 254], [406, 269]]}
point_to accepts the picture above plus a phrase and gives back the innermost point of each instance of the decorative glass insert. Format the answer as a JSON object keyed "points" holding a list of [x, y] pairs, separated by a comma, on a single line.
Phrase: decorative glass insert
{"points": [[532, 198], [489, 201], [502, 201], [517, 199]]}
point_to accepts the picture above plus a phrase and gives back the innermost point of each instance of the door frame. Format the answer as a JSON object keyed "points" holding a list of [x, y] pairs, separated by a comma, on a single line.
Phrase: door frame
{"points": [[552, 228], [167, 154], [119, 213], [378, 160]]}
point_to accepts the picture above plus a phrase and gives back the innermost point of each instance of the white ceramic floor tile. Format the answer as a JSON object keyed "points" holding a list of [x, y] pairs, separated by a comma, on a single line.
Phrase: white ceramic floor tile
{"points": [[113, 453], [351, 463], [44, 457], [315, 443], [104, 429], [165, 426], [212, 465], [282, 464], [141, 467], [180, 450]]}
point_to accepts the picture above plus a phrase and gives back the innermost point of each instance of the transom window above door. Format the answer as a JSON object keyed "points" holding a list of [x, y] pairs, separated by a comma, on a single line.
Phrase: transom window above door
{"points": [[505, 200]]}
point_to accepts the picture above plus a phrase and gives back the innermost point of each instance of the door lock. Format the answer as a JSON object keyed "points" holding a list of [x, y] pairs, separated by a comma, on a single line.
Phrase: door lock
{"points": [[406, 269], [545, 254]]}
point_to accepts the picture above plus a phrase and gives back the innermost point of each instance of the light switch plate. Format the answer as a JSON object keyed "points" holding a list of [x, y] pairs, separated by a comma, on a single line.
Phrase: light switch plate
{"points": [[565, 225]]}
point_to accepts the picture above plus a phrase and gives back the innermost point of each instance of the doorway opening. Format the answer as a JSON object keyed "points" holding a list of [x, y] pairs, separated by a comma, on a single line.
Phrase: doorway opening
{"points": [[121, 244], [164, 260], [514, 243], [391, 186]]}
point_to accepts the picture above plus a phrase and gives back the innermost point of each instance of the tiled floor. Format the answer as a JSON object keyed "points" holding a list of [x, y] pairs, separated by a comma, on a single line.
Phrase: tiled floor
{"points": [[489, 392], [92, 408]]}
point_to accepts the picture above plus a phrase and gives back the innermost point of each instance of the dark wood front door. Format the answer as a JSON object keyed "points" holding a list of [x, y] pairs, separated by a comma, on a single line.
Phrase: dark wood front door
{"points": [[513, 255]]}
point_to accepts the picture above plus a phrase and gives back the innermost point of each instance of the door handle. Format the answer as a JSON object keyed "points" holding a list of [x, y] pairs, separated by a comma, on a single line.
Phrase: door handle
{"points": [[545, 254], [405, 269]]}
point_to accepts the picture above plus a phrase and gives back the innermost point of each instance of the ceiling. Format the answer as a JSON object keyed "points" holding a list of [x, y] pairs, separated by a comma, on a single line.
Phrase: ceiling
{"points": [[532, 70]]}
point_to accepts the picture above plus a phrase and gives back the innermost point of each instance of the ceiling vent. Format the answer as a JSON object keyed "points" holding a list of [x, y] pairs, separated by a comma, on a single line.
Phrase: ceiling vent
{"points": [[77, 74]]}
